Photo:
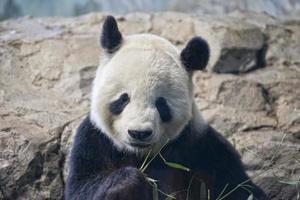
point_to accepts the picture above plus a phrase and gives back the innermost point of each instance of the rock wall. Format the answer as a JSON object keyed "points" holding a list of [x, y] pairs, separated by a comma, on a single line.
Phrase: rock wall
{"points": [[250, 92]]}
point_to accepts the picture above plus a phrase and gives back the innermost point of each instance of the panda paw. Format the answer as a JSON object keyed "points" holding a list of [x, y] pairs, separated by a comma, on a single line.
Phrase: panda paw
{"points": [[127, 183]]}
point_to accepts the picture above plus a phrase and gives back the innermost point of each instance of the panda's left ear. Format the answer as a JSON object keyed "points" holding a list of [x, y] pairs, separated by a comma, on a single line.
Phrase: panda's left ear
{"points": [[111, 37], [195, 55]]}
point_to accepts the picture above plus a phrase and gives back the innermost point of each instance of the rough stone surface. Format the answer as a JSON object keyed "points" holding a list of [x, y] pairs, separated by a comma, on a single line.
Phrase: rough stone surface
{"points": [[47, 66], [283, 43], [237, 46]]}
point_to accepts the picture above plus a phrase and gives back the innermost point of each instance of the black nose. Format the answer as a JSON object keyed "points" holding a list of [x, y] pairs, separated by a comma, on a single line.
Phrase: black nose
{"points": [[140, 135]]}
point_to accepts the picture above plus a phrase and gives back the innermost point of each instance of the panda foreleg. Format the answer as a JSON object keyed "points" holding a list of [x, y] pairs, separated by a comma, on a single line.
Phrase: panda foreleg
{"points": [[90, 176], [127, 183]]}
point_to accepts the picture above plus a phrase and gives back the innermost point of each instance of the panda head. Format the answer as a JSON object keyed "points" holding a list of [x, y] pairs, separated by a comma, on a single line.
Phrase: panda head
{"points": [[143, 94]]}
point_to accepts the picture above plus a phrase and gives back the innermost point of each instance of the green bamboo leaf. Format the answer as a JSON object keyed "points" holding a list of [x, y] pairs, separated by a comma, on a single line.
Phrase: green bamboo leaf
{"points": [[289, 182], [177, 166], [145, 161], [155, 191], [251, 197], [170, 197], [152, 180]]}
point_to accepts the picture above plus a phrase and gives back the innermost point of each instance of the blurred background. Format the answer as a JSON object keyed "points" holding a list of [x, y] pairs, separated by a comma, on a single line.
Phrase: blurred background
{"points": [[16, 8]]}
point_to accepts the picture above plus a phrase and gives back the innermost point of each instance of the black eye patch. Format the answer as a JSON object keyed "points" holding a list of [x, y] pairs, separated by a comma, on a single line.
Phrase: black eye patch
{"points": [[118, 106], [163, 109]]}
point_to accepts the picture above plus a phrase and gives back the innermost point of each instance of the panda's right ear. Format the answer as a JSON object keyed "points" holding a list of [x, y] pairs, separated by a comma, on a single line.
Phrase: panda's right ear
{"points": [[111, 38]]}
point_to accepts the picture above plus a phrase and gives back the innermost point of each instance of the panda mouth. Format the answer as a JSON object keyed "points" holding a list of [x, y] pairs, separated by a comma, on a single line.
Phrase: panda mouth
{"points": [[139, 145]]}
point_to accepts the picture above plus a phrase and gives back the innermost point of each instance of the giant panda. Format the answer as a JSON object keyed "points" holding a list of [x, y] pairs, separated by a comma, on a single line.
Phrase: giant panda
{"points": [[141, 104]]}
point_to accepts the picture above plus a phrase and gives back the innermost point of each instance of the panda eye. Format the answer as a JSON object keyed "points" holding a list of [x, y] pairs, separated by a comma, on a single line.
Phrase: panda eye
{"points": [[117, 106], [163, 109]]}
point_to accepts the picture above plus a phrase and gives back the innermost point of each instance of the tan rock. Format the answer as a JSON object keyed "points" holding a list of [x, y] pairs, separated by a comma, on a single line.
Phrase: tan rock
{"points": [[176, 27], [236, 46], [283, 43]]}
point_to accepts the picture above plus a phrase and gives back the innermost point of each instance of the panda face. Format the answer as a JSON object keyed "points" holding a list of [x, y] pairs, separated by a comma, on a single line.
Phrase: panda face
{"points": [[142, 95]]}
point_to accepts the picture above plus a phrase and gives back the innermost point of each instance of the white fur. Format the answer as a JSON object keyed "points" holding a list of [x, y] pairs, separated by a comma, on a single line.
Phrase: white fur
{"points": [[146, 67]]}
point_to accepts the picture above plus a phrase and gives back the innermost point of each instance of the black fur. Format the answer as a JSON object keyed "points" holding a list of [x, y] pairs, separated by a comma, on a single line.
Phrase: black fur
{"points": [[163, 109], [196, 54], [118, 106], [111, 37], [99, 171]]}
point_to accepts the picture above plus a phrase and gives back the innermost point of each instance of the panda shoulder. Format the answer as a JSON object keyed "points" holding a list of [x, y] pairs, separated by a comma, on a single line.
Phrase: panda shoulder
{"points": [[87, 133]]}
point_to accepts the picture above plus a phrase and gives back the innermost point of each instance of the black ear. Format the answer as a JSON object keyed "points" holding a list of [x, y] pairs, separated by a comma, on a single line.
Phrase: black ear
{"points": [[195, 55], [111, 37]]}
